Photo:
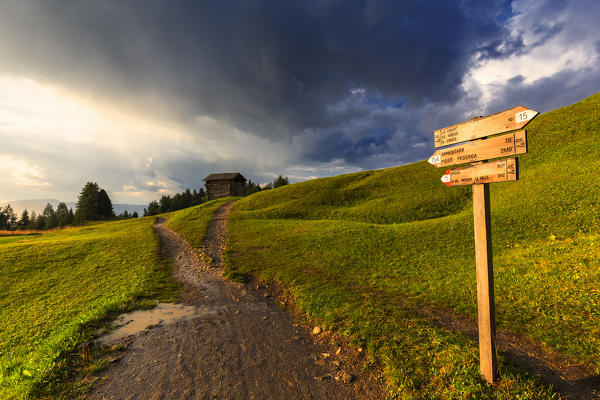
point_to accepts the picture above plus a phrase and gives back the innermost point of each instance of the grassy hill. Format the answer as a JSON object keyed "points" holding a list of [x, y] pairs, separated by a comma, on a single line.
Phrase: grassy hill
{"points": [[56, 289], [359, 251]]}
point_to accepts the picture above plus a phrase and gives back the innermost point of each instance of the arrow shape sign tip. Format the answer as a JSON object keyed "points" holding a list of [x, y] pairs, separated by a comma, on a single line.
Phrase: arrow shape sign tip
{"points": [[435, 159], [446, 178]]}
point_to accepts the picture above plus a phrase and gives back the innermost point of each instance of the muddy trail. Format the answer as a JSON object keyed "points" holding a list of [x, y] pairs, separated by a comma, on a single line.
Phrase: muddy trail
{"points": [[234, 342], [231, 341]]}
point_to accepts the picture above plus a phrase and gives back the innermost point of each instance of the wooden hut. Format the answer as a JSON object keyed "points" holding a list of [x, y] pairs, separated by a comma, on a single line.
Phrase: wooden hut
{"points": [[225, 184]]}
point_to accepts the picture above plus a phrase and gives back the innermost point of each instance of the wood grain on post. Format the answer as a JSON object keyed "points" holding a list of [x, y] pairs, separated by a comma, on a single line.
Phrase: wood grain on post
{"points": [[509, 120], [485, 282], [479, 150]]}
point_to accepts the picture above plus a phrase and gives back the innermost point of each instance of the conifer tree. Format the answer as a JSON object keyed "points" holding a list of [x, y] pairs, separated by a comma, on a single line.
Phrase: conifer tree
{"points": [[12, 218], [105, 208], [252, 187], [40, 222], [280, 181], [62, 214], [93, 203], [165, 203], [24, 221], [51, 220], [32, 221], [153, 208], [87, 202], [4, 218]]}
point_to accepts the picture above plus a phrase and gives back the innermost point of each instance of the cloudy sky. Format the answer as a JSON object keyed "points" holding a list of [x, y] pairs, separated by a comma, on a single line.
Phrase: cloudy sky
{"points": [[149, 96]]}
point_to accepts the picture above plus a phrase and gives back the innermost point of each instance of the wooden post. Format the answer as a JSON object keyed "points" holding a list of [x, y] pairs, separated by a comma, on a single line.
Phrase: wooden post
{"points": [[480, 174], [485, 282]]}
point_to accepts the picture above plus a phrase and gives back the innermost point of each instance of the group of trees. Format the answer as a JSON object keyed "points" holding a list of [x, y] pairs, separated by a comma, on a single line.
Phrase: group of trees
{"points": [[125, 215], [93, 204], [48, 219], [176, 202], [190, 198], [8, 219], [253, 187]]}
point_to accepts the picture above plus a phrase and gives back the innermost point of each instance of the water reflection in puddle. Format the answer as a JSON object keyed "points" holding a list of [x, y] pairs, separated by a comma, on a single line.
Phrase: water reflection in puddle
{"points": [[141, 320]]}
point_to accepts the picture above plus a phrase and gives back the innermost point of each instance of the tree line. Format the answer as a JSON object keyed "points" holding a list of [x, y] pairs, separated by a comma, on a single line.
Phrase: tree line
{"points": [[47, 219], [252, 187], [176, 202], [93, 204], [190, 198]]}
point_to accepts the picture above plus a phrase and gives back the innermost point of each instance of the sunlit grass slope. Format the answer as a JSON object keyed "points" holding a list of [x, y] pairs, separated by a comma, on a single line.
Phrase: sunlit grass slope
{"points": [[358, 251], [192, 223], [55, 287]]}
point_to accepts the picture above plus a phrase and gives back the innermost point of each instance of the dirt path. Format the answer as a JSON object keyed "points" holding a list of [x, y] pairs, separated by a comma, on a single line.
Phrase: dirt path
{"points": [[241, 346]]}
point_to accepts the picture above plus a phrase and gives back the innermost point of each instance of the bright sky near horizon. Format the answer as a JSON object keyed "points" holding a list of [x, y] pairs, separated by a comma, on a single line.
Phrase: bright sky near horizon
{"points": [[148, 97]]}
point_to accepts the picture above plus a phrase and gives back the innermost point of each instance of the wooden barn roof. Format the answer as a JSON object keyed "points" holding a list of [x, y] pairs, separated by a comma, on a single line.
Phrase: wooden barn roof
{"points": [[224, 176]]}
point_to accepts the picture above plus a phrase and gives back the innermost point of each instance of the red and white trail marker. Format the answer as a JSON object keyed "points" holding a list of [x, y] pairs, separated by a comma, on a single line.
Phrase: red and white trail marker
{"points": [[489, 172], [446, 177]]}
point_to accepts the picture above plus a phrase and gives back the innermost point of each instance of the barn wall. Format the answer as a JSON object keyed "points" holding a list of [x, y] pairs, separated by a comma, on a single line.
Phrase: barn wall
{"points": [[220, 189], [217, 190], [237, 189]]}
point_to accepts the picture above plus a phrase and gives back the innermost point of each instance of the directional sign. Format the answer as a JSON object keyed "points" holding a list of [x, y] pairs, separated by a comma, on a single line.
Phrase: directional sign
{"points": [[479, 175], [480, 150], [487, 172], [509, 120]]}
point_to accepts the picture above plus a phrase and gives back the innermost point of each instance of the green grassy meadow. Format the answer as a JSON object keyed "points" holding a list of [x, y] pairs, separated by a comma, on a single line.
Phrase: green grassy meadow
{"points": [[192, 223], [359, 251], [57, 287]]}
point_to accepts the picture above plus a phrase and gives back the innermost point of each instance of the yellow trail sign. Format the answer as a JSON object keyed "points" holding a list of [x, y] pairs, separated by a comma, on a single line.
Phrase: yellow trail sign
{"points": [[488, 172], [509, 120], [479, 150]]}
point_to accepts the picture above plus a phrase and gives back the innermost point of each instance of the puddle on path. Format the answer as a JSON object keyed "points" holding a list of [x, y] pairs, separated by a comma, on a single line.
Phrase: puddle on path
{"points": [[143, 320]]}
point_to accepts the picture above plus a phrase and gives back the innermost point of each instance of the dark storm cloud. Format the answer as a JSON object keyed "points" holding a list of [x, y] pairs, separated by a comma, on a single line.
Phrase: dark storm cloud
{"points": [[364, 82], [336, 145], [271, 68], [563, 88]]}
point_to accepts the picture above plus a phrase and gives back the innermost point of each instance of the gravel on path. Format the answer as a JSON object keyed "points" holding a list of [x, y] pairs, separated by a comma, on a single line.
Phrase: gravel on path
{"points": [[248, 348]]}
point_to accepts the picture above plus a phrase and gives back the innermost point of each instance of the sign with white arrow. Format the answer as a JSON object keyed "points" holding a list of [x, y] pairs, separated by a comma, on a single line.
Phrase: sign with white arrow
{"points": [[495, 171], [509, 120], [479, 150]]}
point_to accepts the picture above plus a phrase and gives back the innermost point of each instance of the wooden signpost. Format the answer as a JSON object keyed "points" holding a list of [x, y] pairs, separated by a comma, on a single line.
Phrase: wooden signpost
{"points": [[480, 174], [496, 171], [478, 127], [480, 150]]}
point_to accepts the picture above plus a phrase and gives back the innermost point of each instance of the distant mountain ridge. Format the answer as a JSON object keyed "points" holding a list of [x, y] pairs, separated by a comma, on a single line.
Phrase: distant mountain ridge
{"points": [[38, 205]]}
